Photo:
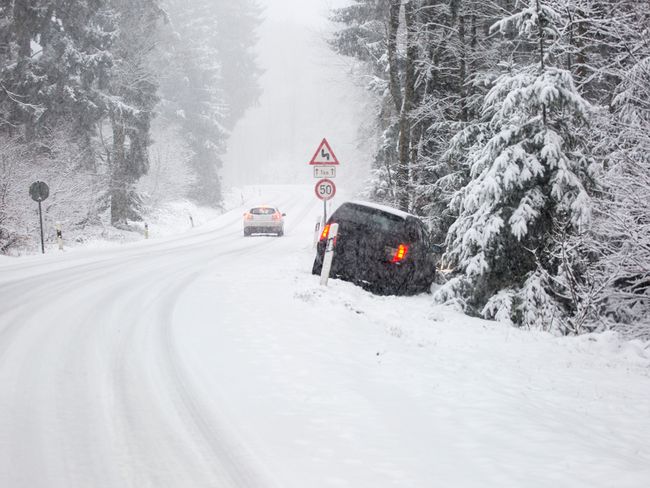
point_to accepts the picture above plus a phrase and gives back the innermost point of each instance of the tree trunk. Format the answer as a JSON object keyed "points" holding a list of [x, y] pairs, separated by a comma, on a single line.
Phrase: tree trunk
{"points": [[22, 24], [118, 188], [404, 164], [393, 69], [462, 69], [542, 53]]}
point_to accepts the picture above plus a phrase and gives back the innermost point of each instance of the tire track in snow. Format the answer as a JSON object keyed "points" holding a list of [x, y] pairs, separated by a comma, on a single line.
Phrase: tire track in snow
{"points": [[138, 366]]}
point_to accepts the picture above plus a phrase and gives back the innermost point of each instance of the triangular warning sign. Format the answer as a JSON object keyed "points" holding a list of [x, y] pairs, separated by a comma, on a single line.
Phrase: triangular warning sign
{"points": [[324, 155]]}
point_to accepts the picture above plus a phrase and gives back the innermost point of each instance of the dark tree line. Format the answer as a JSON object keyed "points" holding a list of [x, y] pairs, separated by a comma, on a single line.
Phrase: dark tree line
{"points": [[519, 129], [95, 74]]}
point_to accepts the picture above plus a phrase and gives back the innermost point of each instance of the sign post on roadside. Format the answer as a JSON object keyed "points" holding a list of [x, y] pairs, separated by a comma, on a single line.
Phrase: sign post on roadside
{"points": [[324, 162], [39, 191]]}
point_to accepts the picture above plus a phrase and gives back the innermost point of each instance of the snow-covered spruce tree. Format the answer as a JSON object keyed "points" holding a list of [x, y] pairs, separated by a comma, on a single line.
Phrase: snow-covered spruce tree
{"points": [[20, 73], [610, 56], [531, 177], [457, 62], [620, 237], [191, 97], [210, 78], [365, 37], [235, 39], [133, 95], [54, 58]]}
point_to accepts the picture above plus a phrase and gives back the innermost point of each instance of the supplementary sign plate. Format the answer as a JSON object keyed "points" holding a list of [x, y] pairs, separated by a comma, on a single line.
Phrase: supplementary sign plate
{"points": [[325, 171]]}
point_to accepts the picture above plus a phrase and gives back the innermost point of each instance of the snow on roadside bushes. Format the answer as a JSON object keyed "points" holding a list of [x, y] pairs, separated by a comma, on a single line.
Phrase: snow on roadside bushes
{"points": [[164, 220]]}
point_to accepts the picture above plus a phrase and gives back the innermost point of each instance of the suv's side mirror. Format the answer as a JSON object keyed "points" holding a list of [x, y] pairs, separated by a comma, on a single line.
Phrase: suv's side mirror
{"points": [[437, 249], [284, 214]]}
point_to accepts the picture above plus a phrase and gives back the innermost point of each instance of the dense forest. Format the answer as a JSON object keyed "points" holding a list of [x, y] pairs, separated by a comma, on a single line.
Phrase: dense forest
{"points": [[521, 130], [117, 104]]}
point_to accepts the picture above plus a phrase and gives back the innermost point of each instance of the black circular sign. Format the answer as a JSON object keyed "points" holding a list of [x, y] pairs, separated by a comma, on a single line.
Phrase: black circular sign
{"points": [[39, 191]]}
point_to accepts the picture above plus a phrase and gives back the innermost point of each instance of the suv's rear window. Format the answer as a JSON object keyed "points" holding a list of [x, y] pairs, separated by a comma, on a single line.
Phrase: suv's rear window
{"points": [[370, 217], [262, 211]]}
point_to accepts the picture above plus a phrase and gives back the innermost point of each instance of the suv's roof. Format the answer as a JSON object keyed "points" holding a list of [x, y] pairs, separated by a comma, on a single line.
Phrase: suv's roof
{"points": [[384, 208]]}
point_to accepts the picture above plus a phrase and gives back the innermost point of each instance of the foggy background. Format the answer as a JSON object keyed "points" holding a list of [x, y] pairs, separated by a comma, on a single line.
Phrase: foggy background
{"points": [[308, 94]]}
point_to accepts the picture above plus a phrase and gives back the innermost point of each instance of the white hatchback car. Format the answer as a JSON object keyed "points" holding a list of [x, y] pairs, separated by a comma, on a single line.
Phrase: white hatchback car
{"points": [[264, 220]]}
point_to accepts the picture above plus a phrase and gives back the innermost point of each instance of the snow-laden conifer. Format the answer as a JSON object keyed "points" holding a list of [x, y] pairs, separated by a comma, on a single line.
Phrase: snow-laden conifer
{"points": [[620, 238], [531, 176]]}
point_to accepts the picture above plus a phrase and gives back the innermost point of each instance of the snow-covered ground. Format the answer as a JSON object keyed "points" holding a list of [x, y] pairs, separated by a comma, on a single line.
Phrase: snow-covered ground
{"points": [[212, 360]]}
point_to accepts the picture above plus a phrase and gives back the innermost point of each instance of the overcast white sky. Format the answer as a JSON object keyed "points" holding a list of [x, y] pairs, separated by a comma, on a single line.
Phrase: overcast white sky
{"points": [[308, 95]]}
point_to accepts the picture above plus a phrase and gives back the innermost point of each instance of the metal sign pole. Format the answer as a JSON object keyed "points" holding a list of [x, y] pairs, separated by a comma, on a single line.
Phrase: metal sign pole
{"points": [[39, 191], [40, 217], [324, 162]]}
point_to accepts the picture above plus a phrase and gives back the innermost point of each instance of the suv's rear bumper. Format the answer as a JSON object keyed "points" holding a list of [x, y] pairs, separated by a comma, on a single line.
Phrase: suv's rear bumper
{"points": [[382, 277]]}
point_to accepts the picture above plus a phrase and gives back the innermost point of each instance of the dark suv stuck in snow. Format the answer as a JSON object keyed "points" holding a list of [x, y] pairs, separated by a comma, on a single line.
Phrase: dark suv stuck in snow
{"points": [[382, 249]]}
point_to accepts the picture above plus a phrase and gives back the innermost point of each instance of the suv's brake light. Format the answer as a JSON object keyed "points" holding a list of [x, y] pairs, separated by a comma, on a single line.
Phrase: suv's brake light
{"points": [[398, 255], [325, 233], [249, 216], [277, 216]]}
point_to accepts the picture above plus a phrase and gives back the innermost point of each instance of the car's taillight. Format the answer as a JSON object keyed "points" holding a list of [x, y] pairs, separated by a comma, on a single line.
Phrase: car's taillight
{"points": [[325, 233], [249, 216], [398, 255], [277, 216]]}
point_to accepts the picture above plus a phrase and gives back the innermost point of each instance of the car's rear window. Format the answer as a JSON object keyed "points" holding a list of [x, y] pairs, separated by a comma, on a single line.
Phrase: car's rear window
{"points": [[263, 211], [370, 217]]}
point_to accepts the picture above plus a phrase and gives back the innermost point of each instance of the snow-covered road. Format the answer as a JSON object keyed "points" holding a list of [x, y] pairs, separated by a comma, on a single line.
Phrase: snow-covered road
{"points": [[214, 360]]}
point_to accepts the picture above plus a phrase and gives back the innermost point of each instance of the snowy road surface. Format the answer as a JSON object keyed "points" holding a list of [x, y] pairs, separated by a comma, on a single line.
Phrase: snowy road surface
{"points": [[214, 360]]}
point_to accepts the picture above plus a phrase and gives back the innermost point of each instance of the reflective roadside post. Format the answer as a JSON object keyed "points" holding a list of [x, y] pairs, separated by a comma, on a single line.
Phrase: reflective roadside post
{"points": [[39, 191], [146, 230], [59, 235], [329, 254], [317, 231]]}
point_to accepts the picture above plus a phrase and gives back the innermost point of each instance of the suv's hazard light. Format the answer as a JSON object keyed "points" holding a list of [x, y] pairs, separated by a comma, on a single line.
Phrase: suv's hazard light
{"points": [[325, 233], [398, 255]]}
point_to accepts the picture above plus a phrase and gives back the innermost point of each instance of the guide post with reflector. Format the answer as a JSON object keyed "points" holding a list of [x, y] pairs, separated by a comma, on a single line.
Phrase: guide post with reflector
{"points": [[329, 253], [59, 236], [317, 228]]}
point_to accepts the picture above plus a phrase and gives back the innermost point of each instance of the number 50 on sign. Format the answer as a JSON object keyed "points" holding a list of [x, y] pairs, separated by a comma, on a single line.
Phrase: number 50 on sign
{"points": [[325, 189]]}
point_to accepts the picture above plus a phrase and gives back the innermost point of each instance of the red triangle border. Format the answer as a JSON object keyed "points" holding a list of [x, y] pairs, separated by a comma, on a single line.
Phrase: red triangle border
{"points": [[329, 148]]}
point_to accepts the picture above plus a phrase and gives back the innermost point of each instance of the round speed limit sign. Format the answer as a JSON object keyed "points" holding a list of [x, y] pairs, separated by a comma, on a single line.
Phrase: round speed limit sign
{"points": [[325, 189]]}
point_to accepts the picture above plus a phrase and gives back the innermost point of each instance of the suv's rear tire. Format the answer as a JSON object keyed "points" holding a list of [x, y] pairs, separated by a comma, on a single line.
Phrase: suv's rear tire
{"points": [[247, 232]]}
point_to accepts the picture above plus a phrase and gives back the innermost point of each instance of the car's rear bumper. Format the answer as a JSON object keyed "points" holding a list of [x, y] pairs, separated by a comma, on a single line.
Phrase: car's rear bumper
{"points": [[263, 224], [382, 276], [264, 229]]}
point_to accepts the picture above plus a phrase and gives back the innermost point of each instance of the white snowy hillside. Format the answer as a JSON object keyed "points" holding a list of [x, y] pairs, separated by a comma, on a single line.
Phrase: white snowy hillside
{"points": [[210, 359]]}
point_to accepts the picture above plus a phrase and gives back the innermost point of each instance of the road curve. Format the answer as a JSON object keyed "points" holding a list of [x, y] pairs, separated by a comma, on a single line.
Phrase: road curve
{"points": [[94, 390]]}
